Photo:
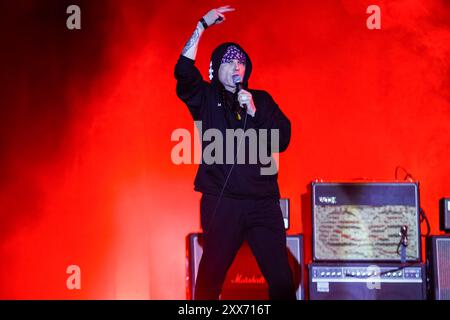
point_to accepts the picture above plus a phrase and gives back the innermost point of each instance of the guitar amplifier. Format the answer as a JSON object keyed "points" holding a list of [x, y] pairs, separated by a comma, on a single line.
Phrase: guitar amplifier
{"points": [[361, 221], [357, 281], [438, 259], [244, 279]]}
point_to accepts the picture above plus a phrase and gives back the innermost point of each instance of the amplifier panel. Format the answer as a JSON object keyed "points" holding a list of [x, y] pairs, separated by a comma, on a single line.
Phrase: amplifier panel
{"points": [[366, 282]]}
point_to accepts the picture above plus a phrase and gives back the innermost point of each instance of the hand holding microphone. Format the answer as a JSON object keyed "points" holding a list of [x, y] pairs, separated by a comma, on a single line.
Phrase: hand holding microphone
{"points": [[245, 98]]}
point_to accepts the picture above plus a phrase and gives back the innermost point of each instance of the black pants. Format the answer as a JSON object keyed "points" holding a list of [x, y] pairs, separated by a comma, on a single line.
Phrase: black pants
{"points": [[260, 222]]}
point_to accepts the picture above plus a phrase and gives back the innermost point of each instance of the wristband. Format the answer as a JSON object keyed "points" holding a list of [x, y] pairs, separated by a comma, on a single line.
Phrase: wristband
{"points": [[203, 22]]}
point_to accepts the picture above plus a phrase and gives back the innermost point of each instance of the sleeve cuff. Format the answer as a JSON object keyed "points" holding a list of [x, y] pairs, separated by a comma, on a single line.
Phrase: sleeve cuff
{"points": [[186, 59], [184, 66]]}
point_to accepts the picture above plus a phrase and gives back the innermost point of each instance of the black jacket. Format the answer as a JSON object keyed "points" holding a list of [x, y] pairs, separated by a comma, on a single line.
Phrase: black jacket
{"points": [[216, 108]]}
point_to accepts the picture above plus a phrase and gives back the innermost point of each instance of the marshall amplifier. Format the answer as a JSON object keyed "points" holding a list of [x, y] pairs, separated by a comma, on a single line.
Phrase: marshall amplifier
{"points": [[354, 281], [244, 280], [438, 259], [362, 221]]}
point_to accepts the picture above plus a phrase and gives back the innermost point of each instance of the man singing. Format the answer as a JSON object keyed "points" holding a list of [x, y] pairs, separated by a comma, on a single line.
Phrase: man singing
{"points": [[239, 202]]}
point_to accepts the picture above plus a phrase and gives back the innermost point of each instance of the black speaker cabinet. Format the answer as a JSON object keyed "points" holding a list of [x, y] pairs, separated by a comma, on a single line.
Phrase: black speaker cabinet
{"points": [[244, 279], [438, 260], [364, 281]]}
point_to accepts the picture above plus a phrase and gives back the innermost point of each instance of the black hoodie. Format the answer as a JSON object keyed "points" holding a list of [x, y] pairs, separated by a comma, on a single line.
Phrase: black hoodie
{"points": [[217, 108]]}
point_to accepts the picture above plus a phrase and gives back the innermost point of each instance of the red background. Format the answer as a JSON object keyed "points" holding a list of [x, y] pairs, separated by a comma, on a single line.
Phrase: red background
{"points": [[86, 117]]}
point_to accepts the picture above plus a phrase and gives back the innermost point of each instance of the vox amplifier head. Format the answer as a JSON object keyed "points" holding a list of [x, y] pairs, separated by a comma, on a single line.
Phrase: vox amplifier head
{"points": [[362, 221]]}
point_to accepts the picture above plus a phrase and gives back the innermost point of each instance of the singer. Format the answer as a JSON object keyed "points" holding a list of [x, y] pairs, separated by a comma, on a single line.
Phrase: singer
{"points": [[238, 202]]}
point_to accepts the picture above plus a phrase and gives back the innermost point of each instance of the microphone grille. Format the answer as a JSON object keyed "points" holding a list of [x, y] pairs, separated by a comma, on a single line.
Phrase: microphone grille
{"points": [[237, 78]]}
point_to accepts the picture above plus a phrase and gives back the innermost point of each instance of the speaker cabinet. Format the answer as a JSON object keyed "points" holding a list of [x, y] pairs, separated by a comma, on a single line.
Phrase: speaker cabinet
{"points": [[244, 279], [438, 260]]}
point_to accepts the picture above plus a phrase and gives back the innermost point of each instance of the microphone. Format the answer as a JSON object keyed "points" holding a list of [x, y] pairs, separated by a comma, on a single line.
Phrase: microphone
{"points": [[404, 235], [403, 243], [238, 82]]}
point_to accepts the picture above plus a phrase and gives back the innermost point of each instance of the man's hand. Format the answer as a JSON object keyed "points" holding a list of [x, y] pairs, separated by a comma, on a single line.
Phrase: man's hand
{"points": [[216, 16], [245, 97]]}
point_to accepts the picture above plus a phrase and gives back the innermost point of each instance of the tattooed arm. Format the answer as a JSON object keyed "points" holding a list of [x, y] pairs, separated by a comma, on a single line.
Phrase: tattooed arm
{"points": [[190, 84], [215, 16], [190, 49]]}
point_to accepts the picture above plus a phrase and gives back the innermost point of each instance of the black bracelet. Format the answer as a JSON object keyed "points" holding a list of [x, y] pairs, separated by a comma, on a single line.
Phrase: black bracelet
{"points": [[203, 22]]}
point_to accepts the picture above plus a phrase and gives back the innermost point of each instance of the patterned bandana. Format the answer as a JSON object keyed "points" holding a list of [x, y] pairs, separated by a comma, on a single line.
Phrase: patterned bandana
{"points": [[233, 53]]}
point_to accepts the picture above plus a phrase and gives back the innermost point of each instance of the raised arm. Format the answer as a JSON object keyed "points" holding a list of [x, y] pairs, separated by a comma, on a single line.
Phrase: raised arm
{"points": [[190, 84], [215, 16]]}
